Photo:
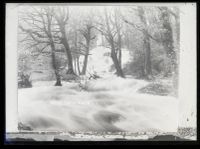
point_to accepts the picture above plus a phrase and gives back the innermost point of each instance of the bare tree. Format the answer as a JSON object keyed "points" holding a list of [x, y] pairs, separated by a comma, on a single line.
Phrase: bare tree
{"points": [[86, 31], [77, 53], [146, 39], [146, 42], [62, 15], [109, 30], [77, 47], [118, 25], [40, 34]]}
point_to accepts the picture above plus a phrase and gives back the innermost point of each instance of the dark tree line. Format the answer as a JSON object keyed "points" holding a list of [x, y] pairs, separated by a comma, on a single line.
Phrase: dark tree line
{"points": [[163, 34]]}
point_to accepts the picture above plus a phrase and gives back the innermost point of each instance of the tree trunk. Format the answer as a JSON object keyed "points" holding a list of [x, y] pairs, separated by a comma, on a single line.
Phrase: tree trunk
{"points": [[74, 62], [54, 64], [176, 32], [113, 48], [78, 66], [171, 41], [119, 49], [85, 65], [58, 79], [120, 58], [119, 41], [102, 40], [116, 63], [147, 62], [147, 46], [69, 57], [168, 41], [64, 41], [86, 58]]}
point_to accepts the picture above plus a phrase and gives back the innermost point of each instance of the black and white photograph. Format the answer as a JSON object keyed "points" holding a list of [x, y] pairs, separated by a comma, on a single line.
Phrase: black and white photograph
{"points": [[101, 72]]}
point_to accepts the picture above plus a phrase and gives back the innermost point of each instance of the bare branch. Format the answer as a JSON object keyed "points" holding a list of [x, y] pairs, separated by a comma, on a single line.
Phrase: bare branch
{"points": [[32, 33], [102, 31], [42, 51], [142, 30], [80, 53]]}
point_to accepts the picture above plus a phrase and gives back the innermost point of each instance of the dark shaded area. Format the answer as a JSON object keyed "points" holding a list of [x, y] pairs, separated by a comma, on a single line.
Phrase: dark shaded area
{"points": [[24, 81], [58, 82], [70, 77], [156, 89], [43, 122], [156, 138], [94, 76], [168, 138], [107, 119], [56, 139], [22, 126], [83, 123], [19, 139], [120, 139]]}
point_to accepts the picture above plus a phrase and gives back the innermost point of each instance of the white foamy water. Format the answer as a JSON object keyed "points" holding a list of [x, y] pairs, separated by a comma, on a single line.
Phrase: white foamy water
{"points": [[100, 61], [110, 104]]}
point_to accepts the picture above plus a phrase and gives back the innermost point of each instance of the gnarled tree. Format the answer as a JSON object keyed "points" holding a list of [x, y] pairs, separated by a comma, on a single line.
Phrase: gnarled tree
{"points": [[40, 33]]}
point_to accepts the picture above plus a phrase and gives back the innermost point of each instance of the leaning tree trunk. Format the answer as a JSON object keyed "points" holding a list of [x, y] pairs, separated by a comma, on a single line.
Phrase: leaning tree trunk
{"points": [[116, 62], [69, 57], [117, 65], [113, 48]]}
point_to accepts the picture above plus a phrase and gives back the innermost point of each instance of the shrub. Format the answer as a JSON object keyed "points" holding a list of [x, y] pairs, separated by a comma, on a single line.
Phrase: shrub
{"points": [[24, 81]]}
